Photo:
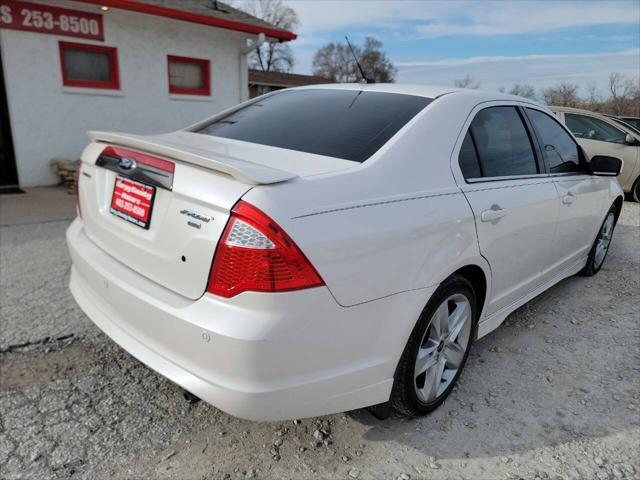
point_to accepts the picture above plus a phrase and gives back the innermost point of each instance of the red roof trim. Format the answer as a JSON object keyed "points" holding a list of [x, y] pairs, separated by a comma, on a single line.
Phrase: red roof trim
{"points": [[194, 18]]}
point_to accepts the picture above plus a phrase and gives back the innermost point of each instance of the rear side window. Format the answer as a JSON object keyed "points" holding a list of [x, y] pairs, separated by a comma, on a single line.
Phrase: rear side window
{"points": [[559, 149], [469, 162], [502, 144], [346, 124], [591, 128]]}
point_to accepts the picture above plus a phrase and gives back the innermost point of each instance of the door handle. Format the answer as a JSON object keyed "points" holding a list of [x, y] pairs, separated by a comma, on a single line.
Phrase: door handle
{"points": [[569, 198], [493, 214]]}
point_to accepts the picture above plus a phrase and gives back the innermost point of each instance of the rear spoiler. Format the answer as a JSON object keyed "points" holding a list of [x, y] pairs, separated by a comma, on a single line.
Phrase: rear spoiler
{"points": [[242, 170]]}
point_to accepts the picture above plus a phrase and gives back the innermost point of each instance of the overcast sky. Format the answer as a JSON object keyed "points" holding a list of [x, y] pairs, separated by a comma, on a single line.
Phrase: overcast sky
{"points": [[498, 43]]}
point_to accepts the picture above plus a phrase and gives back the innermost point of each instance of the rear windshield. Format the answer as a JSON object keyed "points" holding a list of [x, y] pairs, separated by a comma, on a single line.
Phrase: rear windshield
{"points": [[347, 124]]}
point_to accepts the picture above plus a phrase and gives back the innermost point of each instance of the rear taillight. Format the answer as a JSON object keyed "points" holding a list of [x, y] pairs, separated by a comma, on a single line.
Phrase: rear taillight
{"points": [[78, 173], [255, 254]]}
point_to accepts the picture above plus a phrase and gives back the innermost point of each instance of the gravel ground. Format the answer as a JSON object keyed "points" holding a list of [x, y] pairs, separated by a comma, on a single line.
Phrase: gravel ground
{"points": [[553, 393]]}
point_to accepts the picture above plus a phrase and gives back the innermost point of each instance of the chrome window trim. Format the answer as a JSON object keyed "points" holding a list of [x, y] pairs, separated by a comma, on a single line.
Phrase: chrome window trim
{"points": [[524, 177]]}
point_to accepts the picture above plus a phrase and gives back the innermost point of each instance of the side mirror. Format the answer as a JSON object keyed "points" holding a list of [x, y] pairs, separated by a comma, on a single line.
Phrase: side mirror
{"points": [[605, 166], [629, 140]]}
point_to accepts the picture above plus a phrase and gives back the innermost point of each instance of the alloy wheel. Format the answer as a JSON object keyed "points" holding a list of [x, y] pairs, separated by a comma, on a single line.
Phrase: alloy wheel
{"points": [[604, 240], [443, 347]]}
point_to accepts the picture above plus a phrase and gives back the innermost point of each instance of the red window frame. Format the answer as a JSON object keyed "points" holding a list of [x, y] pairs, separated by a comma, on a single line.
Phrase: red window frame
{"points": [[204, 65], [112, 52]]}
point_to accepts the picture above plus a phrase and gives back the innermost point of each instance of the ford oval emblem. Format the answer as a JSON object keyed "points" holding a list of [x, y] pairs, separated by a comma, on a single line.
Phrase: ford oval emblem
{"points": [[126, 163]]}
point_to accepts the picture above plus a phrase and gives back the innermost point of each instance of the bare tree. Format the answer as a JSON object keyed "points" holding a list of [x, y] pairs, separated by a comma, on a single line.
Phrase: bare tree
{"points": [[273, 56], [593, 100], [335, 62], [375, 63], [593, 95], [623, 98], [622, 90], [523, 90], [466, 82], [623, 95], [564, 95]]}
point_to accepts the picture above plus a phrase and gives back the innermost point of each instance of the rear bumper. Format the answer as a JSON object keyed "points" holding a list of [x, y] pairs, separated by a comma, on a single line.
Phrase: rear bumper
{"points": [[256, 356]]}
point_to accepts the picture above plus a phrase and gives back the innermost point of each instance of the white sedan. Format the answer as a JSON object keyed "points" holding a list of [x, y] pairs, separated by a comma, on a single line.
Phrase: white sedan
{"points": [[327, 248]]}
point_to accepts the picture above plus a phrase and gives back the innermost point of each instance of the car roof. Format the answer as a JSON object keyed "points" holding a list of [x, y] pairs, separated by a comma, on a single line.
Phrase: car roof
{"points": [[429, 91], [576, 110]]}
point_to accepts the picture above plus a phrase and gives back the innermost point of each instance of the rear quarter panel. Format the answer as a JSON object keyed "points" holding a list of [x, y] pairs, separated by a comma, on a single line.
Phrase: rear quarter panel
{"points": [[378, 250], [397, 222]]}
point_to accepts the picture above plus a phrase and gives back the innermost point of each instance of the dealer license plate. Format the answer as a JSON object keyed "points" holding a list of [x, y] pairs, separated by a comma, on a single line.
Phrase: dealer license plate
{"points": [[133, 201]]}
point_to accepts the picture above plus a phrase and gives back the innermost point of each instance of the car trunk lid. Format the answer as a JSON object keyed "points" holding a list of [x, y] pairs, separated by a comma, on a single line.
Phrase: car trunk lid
{"points": [[189, 207], [189, 183]]}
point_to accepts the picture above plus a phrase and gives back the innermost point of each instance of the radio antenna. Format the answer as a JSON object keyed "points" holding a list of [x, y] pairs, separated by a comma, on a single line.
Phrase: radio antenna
{"points": [[364, 77]]}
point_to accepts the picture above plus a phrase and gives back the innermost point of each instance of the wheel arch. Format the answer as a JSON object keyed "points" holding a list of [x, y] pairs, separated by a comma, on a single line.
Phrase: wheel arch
{"points": [[477, 277], [618, 204], [477, 272]]}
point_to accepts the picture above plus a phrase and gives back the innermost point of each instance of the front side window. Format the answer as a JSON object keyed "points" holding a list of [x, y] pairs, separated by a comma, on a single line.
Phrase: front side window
{"points": [[89, 66], [591, 128], [559, 149], [502, 144], [189, 76], [346, 124]]}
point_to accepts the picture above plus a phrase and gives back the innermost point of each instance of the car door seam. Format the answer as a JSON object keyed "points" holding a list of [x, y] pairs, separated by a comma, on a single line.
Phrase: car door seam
{"points": [[475, 226]]}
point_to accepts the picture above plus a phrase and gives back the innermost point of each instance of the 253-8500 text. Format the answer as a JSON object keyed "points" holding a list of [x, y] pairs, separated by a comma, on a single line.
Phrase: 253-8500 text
{"points": [[47, 19]]}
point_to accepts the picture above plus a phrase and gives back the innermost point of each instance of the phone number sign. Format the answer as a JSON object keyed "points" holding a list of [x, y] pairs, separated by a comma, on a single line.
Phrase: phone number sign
{"points": [[36, 17]]}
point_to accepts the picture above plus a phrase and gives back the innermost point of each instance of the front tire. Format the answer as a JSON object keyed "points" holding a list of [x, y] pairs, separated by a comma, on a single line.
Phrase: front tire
{"points": [[601, 244], [437, 349]]}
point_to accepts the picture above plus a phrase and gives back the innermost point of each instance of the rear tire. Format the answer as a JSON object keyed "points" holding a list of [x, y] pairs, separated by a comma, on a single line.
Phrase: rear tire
{"points": [[601, 245], [437, 350]]}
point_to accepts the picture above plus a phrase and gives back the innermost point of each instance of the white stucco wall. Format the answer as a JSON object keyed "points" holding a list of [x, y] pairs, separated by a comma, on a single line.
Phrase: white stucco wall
{"points": [[49, 120]]}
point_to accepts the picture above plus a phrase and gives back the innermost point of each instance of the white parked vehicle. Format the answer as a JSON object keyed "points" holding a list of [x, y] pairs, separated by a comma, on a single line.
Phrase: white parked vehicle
{"points": [[326, 248]]}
